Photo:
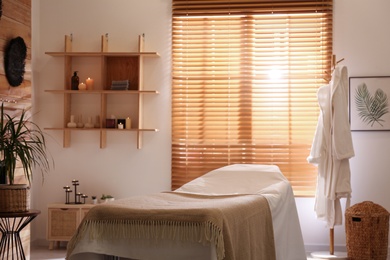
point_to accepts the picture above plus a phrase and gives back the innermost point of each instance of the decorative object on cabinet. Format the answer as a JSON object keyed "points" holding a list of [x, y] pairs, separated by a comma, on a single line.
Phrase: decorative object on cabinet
{"points": [[106, 198], [21, 142], [77, 195], [122, 71], [63, 220], [15, 61]]}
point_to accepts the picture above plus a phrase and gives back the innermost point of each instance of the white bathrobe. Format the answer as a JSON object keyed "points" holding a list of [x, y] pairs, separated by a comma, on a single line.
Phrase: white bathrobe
{"points": [[331, 149]]}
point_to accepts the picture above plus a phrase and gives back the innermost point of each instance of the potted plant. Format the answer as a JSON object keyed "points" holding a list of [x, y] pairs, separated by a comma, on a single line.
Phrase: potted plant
{"points": [[22, 143], [106, 198]]}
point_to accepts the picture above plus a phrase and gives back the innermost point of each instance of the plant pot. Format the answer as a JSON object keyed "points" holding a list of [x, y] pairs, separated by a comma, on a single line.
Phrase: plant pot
{"points": [[14, 198]]}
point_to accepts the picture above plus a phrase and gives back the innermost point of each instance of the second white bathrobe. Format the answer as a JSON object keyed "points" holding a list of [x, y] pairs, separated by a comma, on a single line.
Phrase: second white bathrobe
{"points": [[332, 148]]}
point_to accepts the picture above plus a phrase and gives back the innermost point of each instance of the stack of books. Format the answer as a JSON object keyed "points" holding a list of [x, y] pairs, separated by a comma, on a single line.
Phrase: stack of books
{"points": [[120, 85]]}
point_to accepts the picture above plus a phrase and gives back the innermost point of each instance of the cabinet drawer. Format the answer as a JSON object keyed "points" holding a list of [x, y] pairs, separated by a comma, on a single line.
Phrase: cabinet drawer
{"points": [[62, 223]]}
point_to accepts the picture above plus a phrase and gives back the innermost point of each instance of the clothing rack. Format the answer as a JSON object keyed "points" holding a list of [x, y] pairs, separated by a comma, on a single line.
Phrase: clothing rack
{"points": [[331, 254]]}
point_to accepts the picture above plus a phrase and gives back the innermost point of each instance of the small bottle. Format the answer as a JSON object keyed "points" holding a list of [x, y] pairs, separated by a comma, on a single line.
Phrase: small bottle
{"points": [[75, 81]]}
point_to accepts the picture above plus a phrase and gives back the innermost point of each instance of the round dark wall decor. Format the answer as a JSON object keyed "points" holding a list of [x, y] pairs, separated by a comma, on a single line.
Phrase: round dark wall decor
{"points": [[15, 61]]}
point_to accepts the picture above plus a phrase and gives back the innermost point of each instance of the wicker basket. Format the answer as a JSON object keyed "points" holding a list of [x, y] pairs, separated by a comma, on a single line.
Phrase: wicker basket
{"points": [[367, 229], [14, 198]]}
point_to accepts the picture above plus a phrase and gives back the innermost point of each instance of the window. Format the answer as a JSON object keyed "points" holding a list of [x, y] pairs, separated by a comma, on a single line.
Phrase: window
{"points": [[245, 80]]}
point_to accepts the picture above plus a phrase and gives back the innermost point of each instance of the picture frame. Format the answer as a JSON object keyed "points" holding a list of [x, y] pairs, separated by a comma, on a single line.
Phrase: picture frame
{"points": [[369, 103]]}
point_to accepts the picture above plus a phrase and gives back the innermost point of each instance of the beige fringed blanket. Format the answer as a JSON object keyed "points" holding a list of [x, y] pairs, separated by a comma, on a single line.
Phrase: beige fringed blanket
{"points": [[240, 226]]}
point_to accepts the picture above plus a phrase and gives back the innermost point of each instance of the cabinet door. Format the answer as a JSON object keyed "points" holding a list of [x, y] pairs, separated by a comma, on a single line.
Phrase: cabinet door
{"points": [[62, 224]]}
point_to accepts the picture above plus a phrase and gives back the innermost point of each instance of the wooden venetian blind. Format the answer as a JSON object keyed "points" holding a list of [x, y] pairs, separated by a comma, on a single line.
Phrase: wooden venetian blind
{"points": [[245, 79]]}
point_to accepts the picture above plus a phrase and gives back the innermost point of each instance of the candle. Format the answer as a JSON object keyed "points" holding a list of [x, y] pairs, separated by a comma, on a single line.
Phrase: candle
{"points": [[120, 126], [82, 86], [128, 123], [89, 83]]}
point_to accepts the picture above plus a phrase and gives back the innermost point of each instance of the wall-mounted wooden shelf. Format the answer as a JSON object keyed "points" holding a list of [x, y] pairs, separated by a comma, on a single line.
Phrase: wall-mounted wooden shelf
{"points": [[114, 66]]}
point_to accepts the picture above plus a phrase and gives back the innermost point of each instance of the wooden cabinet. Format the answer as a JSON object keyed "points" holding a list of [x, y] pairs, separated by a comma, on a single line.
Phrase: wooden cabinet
{"points": [[114, 66], [63, 220]]}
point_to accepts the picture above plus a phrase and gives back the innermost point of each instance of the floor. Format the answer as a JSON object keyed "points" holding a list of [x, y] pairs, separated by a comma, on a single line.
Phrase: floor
{"points": [[43, 253]]}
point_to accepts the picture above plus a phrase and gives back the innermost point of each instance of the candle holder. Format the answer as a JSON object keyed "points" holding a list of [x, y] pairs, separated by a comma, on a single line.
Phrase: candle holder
{"points": [[77, 195], [121, 123], [67, 194], [84, 197]]}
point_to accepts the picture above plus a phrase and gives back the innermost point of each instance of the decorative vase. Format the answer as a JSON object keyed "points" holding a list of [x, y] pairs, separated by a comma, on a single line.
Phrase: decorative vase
{"points": [[14, 198], [89, 123], [80, 123], [72, 123]]}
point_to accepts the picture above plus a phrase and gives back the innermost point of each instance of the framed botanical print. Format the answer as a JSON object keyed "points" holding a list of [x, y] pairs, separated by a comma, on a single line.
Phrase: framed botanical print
{"points": [[369, 103]]}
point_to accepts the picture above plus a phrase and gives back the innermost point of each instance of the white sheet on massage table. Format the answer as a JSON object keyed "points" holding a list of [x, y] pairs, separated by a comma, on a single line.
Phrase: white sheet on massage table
{"points": [[266, 180]]}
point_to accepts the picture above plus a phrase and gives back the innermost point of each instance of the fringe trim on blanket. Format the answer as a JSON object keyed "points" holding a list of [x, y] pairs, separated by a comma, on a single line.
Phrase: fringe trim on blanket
{"points": [[201, 232]]}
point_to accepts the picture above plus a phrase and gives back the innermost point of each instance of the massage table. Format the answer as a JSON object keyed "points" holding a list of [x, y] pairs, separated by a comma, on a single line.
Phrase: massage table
{"points": [[256, 189]]}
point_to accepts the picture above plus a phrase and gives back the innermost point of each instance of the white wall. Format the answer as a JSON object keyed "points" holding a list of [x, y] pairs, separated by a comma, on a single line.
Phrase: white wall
{"points": [[119, 169], [360, 38]]}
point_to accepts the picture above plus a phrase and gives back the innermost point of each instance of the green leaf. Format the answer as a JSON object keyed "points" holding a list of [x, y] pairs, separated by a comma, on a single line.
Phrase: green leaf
{"points": [[371, 109], [22, 140]]}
